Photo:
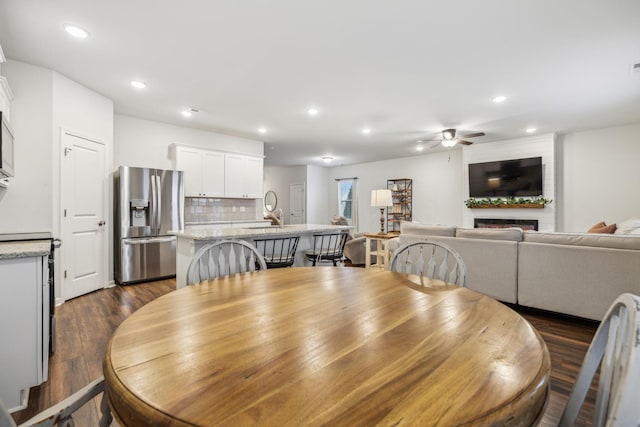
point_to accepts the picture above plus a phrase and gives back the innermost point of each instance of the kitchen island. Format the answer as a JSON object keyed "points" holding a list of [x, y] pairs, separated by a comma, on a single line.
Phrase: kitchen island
{"points": [[189, 241]]}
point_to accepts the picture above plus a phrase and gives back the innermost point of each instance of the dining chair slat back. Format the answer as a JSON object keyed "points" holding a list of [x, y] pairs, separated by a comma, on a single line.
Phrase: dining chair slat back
{"points": [[615, 348], [224, 258], [432, 259], [61, 414], [327, 247], [278, 252]]}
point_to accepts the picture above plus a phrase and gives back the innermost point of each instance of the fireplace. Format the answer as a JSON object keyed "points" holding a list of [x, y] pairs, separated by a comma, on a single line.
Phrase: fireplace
{"points": [[525, 224]]}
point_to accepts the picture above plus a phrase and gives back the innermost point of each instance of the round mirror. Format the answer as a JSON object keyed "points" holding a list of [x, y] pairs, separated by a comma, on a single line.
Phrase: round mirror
{"points": [[270, 201]]}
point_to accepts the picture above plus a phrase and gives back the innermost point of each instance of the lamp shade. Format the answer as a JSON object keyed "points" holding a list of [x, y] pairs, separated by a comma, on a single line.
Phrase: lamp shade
{"points": [[381, 198]]}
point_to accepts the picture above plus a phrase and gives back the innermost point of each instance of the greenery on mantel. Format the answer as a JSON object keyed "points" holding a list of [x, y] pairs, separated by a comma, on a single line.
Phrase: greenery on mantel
{"points": [[507, 202]]}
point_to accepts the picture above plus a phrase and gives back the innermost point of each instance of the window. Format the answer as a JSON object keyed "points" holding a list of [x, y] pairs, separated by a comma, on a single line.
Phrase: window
{"points": [[347, 200]]}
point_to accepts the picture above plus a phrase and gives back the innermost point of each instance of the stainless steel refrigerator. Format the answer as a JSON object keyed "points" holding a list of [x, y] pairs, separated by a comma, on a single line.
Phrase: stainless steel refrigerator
{"points": [[148, 203]]}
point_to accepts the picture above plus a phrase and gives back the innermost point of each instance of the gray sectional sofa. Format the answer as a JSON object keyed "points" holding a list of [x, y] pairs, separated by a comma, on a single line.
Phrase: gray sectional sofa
{"points": [[578, 274]]}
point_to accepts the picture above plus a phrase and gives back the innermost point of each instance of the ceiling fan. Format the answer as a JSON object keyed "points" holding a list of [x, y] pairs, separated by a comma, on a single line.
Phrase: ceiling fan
{"points": [[449, 138]]}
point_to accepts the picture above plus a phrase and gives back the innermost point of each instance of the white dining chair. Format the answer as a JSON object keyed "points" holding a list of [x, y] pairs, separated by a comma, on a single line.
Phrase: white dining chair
{"points": [[223, 258], [615, 348], [61, 414], [430, 258]]}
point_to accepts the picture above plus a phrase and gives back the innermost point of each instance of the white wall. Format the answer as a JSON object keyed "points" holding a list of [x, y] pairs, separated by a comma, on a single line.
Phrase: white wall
{"points": [[46, 102], [599, 178], [535, 146], [318, 210], [145, 143], [437, 187], [278, 179], [26, 206], [90, 115]]}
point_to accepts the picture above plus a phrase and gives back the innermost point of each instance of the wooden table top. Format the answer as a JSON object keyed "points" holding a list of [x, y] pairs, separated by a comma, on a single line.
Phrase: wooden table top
{"points": [[325, 345], [389, 235]]}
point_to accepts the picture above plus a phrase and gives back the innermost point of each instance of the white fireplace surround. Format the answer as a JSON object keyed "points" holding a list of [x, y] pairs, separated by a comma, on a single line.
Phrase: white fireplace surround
{"points": [[542, 145]]}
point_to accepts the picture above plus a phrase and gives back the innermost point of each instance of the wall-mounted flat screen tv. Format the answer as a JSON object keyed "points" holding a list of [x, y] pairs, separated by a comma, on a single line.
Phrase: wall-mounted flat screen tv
{"points": [[506, 178]]}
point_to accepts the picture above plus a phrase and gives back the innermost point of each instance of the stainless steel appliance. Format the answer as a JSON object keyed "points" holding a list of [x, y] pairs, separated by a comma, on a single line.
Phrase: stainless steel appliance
{"points": [[148, 204]]}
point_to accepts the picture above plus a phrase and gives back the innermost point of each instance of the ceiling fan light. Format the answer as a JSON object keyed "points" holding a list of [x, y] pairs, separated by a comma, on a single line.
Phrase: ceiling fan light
{"points": [[448, 134], [448, 142]]}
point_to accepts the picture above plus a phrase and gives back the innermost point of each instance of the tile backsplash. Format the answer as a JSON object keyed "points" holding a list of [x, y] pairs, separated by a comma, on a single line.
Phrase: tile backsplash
{"points": [[203, 209]]}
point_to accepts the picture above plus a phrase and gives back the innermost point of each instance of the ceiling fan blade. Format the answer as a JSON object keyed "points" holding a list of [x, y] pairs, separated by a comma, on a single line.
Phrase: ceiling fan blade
{"points": [[473, 135], [460, 141]]}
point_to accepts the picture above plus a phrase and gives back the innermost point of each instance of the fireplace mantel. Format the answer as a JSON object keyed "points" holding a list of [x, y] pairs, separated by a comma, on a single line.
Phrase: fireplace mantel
{"points": [[510, 206]]}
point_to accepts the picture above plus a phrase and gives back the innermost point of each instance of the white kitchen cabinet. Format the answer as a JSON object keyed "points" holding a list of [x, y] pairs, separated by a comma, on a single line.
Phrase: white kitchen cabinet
{"points": [[243, 176], [24, 327], [203, 171], [213, 173]]}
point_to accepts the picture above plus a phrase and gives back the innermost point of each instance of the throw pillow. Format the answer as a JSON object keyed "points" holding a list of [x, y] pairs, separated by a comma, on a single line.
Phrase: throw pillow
{"points": [[608, 229], [596, 227], [628, 226]]}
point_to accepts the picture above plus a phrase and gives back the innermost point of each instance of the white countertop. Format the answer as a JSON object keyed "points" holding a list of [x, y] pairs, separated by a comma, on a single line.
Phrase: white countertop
{"points": [[268, 231], [24, 249], [235, 221]]}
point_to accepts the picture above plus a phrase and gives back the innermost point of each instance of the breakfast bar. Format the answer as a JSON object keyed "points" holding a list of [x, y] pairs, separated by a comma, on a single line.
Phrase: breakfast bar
{"points": [[189, 241]]}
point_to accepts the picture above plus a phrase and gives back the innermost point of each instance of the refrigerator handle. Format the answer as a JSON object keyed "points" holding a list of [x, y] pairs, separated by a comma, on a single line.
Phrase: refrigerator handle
{"points": [[159, 202], [154, 197]]}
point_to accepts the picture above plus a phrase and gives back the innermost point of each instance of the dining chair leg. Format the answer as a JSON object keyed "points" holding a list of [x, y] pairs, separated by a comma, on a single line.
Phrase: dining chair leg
{"points": [[106, 418]]}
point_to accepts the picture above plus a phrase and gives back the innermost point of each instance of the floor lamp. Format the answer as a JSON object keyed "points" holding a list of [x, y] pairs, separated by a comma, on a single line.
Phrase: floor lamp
{"points": [[381, 199]]}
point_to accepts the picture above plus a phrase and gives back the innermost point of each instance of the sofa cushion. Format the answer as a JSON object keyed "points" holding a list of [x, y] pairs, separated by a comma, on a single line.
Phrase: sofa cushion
{"points": [[512, 234], [612, 241], [407, 227]]}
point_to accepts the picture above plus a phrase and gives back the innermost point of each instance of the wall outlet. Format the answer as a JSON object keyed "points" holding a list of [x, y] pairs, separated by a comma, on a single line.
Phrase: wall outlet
{"points": [[243, 209], [234, 209]]}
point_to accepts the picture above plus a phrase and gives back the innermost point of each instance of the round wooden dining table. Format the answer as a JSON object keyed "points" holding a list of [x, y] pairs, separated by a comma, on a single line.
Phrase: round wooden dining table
{"points": [[326, 346]]}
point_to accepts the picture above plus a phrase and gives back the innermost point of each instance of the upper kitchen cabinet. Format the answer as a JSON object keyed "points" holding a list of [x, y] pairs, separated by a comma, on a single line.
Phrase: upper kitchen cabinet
{"points": [[243, 176], [203, 171]]}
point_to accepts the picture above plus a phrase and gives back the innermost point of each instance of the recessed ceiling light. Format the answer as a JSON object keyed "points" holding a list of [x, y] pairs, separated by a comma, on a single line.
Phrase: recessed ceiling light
{"points": [[366, 131], [419, 148], [530, 130], [262, 130], [76, 31], [500, 98], [187, 113], [312, 111], [138, 84], [327, 159]]}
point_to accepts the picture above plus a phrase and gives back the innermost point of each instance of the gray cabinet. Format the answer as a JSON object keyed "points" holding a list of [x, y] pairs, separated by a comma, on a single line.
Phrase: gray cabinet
{"points": [[24, 327]]}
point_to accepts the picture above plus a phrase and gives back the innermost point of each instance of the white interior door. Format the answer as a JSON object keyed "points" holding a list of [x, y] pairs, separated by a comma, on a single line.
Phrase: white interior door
{"points": [[83, 215], [296, 203]]}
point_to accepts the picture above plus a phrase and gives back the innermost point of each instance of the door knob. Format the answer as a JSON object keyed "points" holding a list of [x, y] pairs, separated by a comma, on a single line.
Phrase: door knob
{"points": [[101, 223]]}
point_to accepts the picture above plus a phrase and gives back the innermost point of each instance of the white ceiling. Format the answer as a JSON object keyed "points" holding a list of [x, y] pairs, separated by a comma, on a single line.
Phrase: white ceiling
{"points": [[406, 69]]}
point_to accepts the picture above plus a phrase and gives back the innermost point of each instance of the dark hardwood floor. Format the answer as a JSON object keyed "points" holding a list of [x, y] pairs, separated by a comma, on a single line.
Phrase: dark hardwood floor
{"points": [[86, 323]]}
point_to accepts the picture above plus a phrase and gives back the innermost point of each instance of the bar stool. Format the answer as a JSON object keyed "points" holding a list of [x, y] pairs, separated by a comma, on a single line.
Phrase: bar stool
{"points": [[278, 252], [327, 247]]}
